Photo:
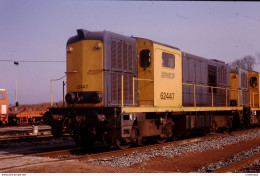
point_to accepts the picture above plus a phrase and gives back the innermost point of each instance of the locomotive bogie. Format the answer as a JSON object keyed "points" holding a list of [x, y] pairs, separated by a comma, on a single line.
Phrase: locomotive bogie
{"points": [[255, 118], [222, 122]]}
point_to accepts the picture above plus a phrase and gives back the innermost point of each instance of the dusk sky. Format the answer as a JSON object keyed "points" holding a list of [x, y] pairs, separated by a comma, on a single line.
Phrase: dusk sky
{"points": [[37, 30]]}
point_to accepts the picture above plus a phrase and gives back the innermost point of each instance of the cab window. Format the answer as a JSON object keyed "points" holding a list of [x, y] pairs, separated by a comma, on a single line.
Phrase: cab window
{"points": [[168, 60], [2, 96], [253, 81], [145, 58]]}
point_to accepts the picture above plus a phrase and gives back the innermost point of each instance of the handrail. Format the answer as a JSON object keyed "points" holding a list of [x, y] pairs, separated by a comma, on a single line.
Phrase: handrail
{"points": [[122, 91], [212, 97], [122, 88], [138, 79], [141, 79], [194, 91], [254, 99]]}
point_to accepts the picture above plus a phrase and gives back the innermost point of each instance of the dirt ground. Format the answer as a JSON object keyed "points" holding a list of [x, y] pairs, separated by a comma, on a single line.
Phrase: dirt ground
{"points": [[188, 162]]}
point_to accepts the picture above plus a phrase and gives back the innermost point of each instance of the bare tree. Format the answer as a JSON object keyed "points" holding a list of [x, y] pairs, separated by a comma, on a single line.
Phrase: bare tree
{"points": [[258, 56], [247, 63]]}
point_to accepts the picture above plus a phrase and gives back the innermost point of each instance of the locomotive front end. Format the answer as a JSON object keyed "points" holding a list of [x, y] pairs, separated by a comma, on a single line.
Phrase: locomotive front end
{"points": [[85, 72], [96, 64]]}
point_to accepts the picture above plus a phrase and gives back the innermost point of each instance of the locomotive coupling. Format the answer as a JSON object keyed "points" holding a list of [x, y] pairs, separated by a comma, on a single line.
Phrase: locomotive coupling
{"points": [[48, 118]]}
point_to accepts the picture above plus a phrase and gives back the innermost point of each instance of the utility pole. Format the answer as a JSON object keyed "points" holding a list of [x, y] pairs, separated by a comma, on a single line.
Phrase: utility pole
{"points": [[16, 101]]}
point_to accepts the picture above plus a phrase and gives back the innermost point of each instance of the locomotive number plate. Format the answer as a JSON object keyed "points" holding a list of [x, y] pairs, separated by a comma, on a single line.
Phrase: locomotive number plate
{"points": [[167, 96], [82, 86]]}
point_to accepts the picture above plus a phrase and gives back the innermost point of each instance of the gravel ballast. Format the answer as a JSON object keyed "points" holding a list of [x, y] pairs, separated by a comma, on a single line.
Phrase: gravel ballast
{"points": [[230, 160], [219, 143]]}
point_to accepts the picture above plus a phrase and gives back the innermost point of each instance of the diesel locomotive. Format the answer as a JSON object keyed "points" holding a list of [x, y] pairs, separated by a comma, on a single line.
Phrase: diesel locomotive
{"points": [[124, 90]]}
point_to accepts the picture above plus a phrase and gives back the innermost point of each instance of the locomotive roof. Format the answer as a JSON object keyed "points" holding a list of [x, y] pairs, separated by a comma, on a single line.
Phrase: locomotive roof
{"points": [[185, 54], [107, 35], [158, 43], [100, 35], [103, 35]]}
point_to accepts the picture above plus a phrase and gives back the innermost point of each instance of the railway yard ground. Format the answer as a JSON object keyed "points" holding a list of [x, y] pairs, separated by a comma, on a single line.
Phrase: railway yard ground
{"points": [[26, 130], [211, 153]]}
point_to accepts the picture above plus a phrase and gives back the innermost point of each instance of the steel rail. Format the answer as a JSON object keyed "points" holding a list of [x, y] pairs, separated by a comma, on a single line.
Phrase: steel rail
{"points": [[28, 138], [239, 165]]}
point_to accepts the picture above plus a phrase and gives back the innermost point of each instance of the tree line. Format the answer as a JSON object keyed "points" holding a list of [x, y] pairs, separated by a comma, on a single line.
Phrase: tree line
{"points": [[247, 62]]}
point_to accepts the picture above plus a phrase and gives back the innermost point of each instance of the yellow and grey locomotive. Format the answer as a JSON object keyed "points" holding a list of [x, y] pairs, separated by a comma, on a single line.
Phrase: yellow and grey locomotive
{"points": [[124, 90]]}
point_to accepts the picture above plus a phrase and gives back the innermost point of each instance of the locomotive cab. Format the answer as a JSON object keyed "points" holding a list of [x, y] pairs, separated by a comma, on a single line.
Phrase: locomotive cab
{"points": [[159, 74]]}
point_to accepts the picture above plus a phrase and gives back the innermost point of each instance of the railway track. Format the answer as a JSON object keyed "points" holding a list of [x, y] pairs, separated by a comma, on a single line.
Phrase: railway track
{"points": [[246, 165], [81, 155], [24, 133], [100, 153], [252, 168], [26, 138]]}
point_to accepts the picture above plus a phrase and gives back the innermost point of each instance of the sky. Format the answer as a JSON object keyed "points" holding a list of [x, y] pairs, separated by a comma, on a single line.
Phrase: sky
{"points": [[37, 30]]}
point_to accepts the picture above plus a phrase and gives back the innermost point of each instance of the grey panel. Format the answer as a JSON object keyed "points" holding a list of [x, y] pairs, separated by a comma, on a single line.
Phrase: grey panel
{"points": [[123, 63], [198, 82], [191, 70], [204, 81], [192, 77], [199, 74], [243, 84], [185, 79]]}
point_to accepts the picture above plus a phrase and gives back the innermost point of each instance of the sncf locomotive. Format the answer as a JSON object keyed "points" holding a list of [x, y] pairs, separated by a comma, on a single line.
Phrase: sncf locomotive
{"points": [[124, 90]]}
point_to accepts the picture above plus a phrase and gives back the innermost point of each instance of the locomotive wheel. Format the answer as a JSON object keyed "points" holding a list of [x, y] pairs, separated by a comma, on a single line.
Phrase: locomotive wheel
{"points": [[166, 133], [122, 144], [135, 136], [106, 139], [84, 134], [56, 128], [161, 140], [85, 137], [214, 127]]}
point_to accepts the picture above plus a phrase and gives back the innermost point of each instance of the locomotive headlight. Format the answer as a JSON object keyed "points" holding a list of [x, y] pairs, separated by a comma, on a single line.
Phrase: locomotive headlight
{"points": [[69, 49], [70, 98], [96, 97], [98, 45]]}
